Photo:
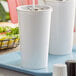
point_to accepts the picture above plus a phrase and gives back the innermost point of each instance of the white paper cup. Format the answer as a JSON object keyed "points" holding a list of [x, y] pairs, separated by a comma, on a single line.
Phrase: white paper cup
{"points": [[34, 35], [62, 26], [60, 70]]}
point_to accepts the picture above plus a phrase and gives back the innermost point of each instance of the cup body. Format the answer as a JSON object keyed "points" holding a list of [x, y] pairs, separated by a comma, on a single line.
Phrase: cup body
{"points": [[62, 26], [34, 35]]}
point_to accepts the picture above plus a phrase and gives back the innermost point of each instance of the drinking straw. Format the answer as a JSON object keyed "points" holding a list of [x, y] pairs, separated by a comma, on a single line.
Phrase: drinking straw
{"points": [[33, 3], [30, 2]]}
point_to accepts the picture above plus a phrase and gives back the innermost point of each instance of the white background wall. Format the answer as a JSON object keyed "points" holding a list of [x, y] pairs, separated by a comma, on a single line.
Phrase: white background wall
{"points": [[75, 20]]}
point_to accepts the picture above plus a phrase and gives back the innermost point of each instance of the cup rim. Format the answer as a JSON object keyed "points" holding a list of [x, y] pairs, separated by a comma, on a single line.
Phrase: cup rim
{"points": [[48, 8], [56, 1]]}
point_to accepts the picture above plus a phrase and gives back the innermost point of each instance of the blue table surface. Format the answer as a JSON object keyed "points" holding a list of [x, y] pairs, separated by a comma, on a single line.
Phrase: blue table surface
{"points": [[12, 61]]}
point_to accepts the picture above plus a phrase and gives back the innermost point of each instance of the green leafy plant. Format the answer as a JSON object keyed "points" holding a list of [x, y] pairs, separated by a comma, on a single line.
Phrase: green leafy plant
{"points": [[4, 16]]}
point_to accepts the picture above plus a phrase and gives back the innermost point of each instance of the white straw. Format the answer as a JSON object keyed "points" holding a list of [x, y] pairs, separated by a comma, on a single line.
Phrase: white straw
{"points": [[33, 3]]}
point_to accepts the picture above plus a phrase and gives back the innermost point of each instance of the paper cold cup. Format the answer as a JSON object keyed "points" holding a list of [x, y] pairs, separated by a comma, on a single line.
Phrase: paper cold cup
{"points": [[62, 26], [34, 35]]}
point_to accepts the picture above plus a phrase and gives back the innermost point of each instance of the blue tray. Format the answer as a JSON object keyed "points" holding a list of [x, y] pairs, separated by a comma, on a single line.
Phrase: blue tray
{"points": [[12, 61]]}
